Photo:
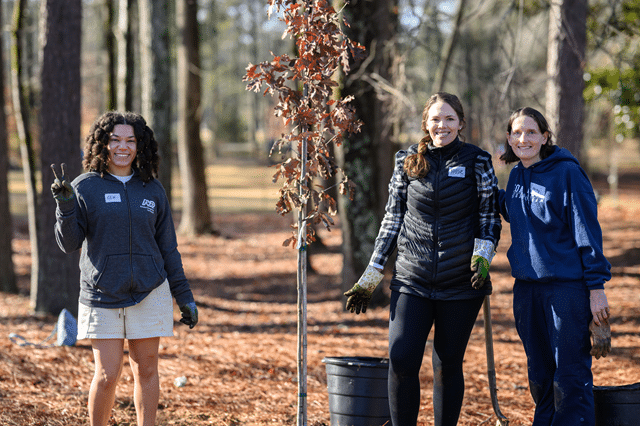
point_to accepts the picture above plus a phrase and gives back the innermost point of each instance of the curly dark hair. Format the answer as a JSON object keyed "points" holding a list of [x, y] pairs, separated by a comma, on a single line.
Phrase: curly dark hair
{"points": [[416, 165], [96, 154], [545, 150]]}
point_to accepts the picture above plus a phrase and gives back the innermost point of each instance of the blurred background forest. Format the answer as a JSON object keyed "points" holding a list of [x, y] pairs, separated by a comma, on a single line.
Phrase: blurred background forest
{"points": [[181, 64]]}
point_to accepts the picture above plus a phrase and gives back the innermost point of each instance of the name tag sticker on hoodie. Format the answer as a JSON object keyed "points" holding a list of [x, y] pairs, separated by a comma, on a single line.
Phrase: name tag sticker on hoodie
{"points": [[457, 172], [112, 198], [537, 192]]}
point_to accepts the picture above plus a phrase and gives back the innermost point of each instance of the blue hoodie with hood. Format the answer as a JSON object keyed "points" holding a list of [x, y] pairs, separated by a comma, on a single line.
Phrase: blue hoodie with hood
{"points": [[128, 241], [555, 234]]}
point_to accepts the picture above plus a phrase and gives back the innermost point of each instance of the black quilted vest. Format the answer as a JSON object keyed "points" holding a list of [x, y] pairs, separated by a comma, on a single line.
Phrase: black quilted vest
{"points": [[436, 240]]}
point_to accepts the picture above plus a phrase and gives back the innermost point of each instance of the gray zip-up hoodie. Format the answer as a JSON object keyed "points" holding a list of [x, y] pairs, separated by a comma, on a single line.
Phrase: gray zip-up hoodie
{"points": [[128, 240]]}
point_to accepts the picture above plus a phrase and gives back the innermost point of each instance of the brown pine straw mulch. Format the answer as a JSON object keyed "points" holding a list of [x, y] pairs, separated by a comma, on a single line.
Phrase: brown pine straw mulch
{"points": [[240, 361]]}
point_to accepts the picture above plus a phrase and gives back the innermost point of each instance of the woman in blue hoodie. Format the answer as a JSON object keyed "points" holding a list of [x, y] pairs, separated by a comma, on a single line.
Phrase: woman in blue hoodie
{"points": [[119, 216], [559, 269]]}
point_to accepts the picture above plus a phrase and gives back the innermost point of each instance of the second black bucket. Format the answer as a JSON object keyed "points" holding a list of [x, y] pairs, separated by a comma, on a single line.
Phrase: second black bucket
{"points": [[358, 393], [617, 405]]}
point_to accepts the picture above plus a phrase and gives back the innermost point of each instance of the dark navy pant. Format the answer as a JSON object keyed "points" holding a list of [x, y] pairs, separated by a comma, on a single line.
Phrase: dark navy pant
{"points": [[410, 322], [553, 323]]}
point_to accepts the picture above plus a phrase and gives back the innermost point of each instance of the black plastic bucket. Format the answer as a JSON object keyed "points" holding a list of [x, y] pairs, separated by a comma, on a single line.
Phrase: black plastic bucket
{"points": [[617, 405], [358, 393]]}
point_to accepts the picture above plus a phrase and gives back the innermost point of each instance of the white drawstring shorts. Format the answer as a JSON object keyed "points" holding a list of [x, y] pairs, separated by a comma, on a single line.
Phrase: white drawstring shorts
{"points": [[153, 317]]}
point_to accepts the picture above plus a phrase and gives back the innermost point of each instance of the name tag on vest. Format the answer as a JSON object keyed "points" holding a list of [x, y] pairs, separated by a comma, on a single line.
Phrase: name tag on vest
{"points": [[457, 172], [112, 198]]}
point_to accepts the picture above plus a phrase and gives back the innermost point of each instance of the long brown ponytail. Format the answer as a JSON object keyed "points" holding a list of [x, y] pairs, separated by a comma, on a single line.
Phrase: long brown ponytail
{"points": [[416, 165]]}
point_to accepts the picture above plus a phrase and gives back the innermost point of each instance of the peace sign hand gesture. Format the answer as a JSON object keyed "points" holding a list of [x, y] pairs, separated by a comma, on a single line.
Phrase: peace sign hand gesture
{"points": [[61, 188]]}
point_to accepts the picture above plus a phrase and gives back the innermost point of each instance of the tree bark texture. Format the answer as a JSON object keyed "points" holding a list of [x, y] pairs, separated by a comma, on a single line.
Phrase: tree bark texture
{"points": [[196, 215], [565, 68], [217, 107], [125, 60], [7, 275], [111, 56], [156, 80], [367, 157], [27, 151], [58, 279]]}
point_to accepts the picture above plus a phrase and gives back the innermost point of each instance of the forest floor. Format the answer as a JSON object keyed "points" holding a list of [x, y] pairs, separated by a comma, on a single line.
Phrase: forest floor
{"points": [[240, 360]]}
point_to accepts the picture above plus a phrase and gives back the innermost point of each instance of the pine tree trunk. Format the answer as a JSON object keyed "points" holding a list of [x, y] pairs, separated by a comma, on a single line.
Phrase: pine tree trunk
{"points": [[125, 63], [565, 68], [27, 151], [59, 276], [156, 80], [367, 157], [7, 275], [196, 215], [111, 56]]}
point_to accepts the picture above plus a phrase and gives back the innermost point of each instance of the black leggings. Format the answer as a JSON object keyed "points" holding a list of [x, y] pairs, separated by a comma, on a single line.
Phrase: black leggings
{"points": [[409, 326]]}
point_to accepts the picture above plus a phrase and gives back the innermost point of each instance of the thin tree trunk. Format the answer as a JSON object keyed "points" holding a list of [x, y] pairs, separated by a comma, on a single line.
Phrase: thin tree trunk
{"points": [[447, 50], [7, 275], [27, 151], [470, 100], [59, 276], [111, 56], [255, 119], [196, 215], [125, 67], [301, 354], [216, 105], [156, 80]]}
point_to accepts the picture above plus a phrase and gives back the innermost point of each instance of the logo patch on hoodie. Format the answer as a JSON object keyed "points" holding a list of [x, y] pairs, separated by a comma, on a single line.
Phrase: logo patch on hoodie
{"points": [[149, 205], [538, 192]]}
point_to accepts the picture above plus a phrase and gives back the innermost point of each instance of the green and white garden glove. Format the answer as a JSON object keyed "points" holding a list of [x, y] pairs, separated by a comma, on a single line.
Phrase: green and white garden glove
{"points": [[360, 294], [483, 252]]}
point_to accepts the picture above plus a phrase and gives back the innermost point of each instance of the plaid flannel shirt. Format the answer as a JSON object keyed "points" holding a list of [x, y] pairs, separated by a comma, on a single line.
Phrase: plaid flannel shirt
{"points": [[489, 217]]}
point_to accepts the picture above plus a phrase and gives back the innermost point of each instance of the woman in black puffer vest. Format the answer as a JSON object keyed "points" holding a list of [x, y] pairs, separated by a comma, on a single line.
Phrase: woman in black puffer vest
{"points": [[442, 217]]}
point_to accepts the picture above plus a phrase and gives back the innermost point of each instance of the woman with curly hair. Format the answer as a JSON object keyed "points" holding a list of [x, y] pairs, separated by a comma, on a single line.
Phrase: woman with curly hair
{"points": [[118, 214], [442, 218], [96, 150]]}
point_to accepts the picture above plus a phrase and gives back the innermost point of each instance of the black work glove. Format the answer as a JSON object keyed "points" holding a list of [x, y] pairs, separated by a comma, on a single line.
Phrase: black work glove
{"points": [[61, 188], [601, 337], [189, 314], [358, 300], [360, 294]]}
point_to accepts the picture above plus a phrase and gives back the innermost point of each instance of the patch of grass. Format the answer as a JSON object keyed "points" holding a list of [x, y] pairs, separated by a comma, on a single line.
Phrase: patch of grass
{"points": [[233, 187]]}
